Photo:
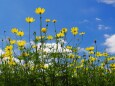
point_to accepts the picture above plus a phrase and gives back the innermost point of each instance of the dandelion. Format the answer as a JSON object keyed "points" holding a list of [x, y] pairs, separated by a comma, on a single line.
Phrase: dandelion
{"points": [[74, 30], [39, 10], [29, 19]]}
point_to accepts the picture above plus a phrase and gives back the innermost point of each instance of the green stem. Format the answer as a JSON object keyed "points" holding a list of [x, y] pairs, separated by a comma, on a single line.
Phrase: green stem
{"points": [[29, 32]]}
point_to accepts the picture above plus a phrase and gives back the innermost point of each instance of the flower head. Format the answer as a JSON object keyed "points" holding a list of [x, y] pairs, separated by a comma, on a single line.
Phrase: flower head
{"points": [[12, 42], [64, 30], [71, 56], [39, 10], [90, 48], [44, 30], [49, 37], [69, 47], [74, 30], [82, 33], [21, 43], [98, 54], [59, 35], [20, 33], [54, 21], [14, 30], [47, 20], [9, 48], [29, 19]]}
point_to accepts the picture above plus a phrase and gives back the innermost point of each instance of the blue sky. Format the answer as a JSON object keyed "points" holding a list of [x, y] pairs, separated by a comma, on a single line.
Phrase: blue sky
{"points": [[95, 17]]}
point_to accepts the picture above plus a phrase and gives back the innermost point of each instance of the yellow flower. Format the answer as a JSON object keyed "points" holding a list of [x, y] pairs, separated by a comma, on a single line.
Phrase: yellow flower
{"points": [[46, 66], [59, 35], [12, 62], [92, 59], [39, 10], [111, 58], [112, 65], [82, 61], [44, 30], [98, 54], [8, 51], [90, 48], [34, 46], [47, 20], [14, 30], [82, 33], [21, 43], [9, 48], [64, 30], [54, 21], [49, 37], [29, 19], [25, 54], [71, 56], [20, 33], [91, 52], [74, 30], [12, 42], [105, 54], [69, 47], [8, 54], [38, 38]]}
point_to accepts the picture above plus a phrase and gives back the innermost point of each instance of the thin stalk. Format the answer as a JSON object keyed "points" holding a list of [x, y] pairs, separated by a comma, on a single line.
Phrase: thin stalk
{"points": [[29, 32]]}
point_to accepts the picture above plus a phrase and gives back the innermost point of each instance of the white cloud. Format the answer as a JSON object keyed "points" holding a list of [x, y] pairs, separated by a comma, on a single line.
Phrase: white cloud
{"points": [[106, 35], [97, 19], [107, 1], [103, 27], [52, 47], [110, 43], [84, 21], [1, 52]]}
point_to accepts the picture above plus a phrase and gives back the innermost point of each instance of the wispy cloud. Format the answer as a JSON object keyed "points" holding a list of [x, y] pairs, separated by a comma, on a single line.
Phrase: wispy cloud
{"points": [[84, 21], [103, 27], [110, 43], [98, 19], [107, 1]]}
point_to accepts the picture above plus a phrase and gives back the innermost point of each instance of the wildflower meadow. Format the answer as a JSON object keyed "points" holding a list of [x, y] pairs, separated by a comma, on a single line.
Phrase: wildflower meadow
{"points": [[53, 60]]}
